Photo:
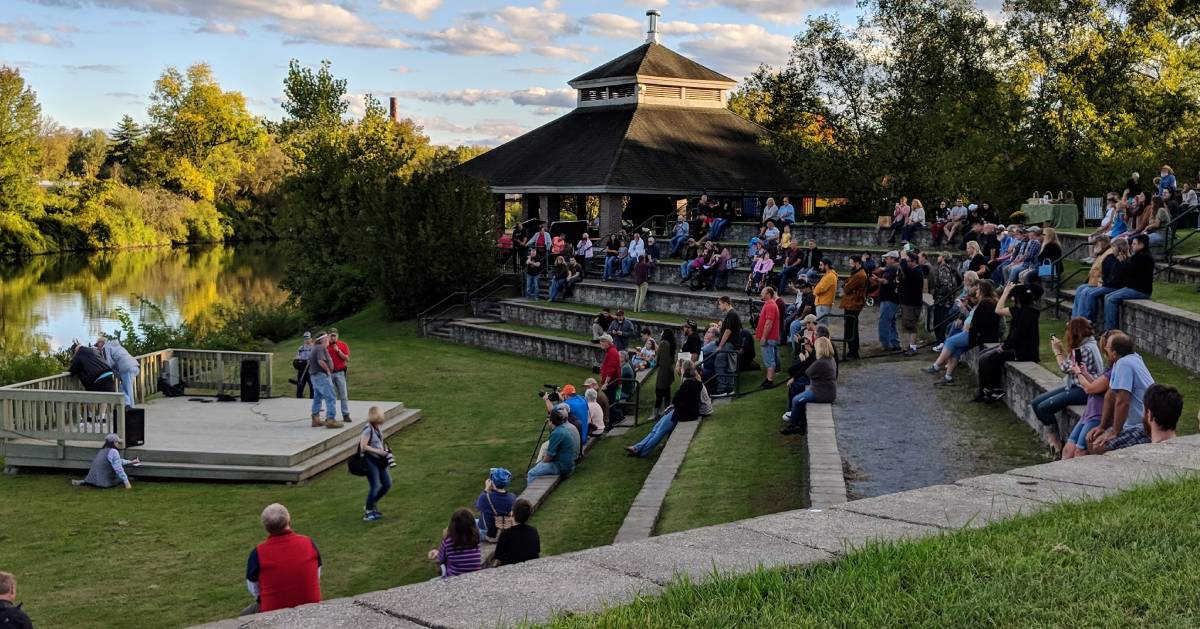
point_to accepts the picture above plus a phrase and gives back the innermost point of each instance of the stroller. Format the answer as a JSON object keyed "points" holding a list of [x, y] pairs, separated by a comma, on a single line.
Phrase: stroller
{"points": [[703, 278]]}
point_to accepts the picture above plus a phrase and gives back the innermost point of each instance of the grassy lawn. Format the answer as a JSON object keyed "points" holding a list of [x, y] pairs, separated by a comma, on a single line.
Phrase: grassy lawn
{"points": [[738, 465], [171, 554], [1108, 563], [1163, 371]]}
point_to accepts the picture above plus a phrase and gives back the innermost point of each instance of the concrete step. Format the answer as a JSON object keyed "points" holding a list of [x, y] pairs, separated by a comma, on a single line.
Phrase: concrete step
{"points": [[662, 298], [577, 320]]}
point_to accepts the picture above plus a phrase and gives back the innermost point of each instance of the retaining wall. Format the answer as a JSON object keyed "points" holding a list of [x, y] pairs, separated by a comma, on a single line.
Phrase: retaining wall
{"points": [[1165, 331], [531, 314], [571, 352], [700, 304]]}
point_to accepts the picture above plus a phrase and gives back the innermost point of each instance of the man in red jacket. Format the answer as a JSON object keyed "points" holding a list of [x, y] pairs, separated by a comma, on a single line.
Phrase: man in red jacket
{"points": [[285, 570], [610, 369], [767, 334]]}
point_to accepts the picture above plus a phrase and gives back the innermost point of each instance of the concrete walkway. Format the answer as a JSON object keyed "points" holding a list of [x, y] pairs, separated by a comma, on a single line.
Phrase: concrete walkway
{"points": [[643, 513], [826, 481], [532, 592]]}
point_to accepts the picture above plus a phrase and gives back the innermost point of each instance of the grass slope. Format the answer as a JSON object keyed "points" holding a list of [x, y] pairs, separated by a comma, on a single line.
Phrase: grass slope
{"points": [[170, 554], [1110, 563]]}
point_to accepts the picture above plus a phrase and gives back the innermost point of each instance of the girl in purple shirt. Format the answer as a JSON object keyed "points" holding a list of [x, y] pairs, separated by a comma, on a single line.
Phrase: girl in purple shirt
{"points": [[459, 551]]}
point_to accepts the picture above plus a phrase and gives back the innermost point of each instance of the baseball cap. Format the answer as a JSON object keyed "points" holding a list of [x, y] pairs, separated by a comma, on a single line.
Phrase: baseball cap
{"points": [[811, 318], [308, 335], [892, 254], [1035, 229], [590, 382], [500, 477], [568, 389]]}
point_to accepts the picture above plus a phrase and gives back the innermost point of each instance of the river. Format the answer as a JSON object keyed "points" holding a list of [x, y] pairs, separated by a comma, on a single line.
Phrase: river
{"points": [[47, 301]]}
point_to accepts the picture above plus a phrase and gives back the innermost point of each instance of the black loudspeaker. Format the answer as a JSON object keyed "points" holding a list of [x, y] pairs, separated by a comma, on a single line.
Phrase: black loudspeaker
{"points": [[135, 427], [250, 380]]}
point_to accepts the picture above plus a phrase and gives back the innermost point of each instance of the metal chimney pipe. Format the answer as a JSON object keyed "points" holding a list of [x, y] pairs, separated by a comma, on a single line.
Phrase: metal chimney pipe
{"points": [[652, 33], [393, 109]]}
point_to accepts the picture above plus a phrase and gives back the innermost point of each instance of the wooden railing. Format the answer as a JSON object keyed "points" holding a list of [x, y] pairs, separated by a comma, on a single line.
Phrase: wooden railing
{"points": [[57, 408], [60, 415]]}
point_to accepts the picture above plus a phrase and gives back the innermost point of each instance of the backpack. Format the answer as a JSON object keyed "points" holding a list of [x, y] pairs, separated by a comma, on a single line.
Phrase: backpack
{"points": [[503, 521]]}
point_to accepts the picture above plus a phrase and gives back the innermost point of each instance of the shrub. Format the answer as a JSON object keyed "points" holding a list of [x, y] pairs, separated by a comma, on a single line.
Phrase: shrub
{"points": [[19, 368]]}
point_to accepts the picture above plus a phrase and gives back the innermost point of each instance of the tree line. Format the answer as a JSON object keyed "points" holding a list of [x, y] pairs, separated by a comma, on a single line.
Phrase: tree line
{"points": [[937, 99], [366, 208]]}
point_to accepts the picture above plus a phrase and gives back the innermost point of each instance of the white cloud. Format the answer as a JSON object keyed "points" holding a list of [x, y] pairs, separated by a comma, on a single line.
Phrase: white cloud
{"points": [[733, 49], [488, 132], [94, 67], [470, 40], [614, 25], [302, 21], [356, 104], [542, 97], [530, 97], [420, 9], [534, 70], [534, 24], [546, 111], [573, 53], [778, 11], [401, 69], [23, 31], [128, 96], [220, 28]]}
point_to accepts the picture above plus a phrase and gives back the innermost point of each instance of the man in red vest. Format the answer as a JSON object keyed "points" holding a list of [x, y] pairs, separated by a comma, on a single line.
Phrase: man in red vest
{"points": [[285, 570]]}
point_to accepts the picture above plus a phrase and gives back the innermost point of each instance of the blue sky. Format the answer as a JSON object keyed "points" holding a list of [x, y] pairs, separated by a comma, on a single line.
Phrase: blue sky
{"points": [[476, 72]]}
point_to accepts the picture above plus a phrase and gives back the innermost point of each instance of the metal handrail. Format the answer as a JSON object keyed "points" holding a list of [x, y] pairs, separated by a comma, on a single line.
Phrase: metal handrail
{"points": [[425, 317], [1058, 294], [1173, 242]]}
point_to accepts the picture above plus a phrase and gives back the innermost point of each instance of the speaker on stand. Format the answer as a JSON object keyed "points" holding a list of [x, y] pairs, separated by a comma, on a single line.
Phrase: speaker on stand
{"points": [[250, 381], [135, 427]]}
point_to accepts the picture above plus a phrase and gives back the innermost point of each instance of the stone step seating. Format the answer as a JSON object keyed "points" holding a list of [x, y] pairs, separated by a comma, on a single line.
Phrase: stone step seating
{"points": [[701, 305], [577, 319], [1166, 331], [618, 573], [643, 512], [172, 464]]}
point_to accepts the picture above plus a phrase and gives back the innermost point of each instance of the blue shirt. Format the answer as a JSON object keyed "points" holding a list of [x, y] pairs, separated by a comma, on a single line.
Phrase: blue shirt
{"points": [[579, 410], [562, 449], [1130, 374], [501, 501], [787, 212]]}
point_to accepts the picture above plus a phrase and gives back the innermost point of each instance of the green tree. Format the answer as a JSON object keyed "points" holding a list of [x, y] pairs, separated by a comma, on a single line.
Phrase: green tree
{"points": [[54, 147], [204, 136], [125, 152], [312, 99], [88, 152], [19, 127]]}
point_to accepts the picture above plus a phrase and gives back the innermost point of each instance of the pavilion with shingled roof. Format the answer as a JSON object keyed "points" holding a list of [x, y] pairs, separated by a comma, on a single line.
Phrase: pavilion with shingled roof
{"points": [[650, 129]]}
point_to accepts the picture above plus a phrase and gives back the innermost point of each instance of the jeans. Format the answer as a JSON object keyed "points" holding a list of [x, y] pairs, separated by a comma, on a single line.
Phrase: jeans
{"points": [[1047, 405], [322, 386], [609, 263], [822, 311], [1112, 305], [957, 344], [770, 354], [684, 269], [716, 229], [906, 234], [799, 410], [639, 298], [557, 287], [727, 367], [1157, 238], [531, 287], [1089, 303], [1080, 431], [785, 277], [665, 425], [888, 337], [627, 265], [851, 333], [379, 481], [677, 242], [541, 469], [127, 378], [1015, 272], [1000, 274], [339, 390]]}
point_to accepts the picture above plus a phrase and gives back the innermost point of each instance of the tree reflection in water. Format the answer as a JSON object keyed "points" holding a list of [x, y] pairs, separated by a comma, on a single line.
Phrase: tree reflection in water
{"points": [[46, 301]]}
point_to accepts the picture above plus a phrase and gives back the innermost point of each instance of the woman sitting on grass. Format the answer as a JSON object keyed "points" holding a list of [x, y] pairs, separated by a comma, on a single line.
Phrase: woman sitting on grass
{"points": [[108, 468], [459, 551]]}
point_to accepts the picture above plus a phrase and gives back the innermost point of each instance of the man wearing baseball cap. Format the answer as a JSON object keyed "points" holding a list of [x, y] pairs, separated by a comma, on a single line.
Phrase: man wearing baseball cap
{"points": [[300, 364], [561, 450], [108, 468]]}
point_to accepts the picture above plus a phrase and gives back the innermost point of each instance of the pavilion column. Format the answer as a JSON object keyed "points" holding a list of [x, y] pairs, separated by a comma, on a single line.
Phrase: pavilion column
{"points": [[498, 204], [610, 213], [544, 207]]}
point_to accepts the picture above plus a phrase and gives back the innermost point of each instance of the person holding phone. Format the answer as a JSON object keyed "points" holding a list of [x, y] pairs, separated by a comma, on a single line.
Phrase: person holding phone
{"points": [[1080, 350], [108, 468]]}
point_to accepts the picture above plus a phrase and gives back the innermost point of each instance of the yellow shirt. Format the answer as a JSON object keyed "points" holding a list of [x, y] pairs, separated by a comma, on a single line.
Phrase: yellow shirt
{"points": [[826, 289]]}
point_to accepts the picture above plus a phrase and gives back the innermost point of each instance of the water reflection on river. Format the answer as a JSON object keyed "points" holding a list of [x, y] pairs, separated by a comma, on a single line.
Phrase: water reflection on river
{"points": [[46, 301]]}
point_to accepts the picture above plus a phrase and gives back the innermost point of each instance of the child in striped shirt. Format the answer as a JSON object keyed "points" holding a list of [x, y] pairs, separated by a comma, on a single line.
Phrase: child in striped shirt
{"points": [[459, 551]]}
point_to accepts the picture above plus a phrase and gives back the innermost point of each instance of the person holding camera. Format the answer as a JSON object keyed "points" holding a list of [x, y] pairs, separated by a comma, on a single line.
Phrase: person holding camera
{"points": [[378, 458], [495, 504], [561, 450], [1021, 345]]}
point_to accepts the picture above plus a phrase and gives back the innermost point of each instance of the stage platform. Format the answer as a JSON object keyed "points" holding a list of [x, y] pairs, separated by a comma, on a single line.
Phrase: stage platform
{"points": [[186, 438]]}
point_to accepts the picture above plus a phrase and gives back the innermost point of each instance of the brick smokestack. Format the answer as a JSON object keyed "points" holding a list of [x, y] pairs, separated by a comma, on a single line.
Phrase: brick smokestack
{"points": [[393, 109]]}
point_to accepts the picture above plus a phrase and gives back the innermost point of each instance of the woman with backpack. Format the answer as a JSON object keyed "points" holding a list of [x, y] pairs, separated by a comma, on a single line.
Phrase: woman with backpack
{"points": [[495, 504]]}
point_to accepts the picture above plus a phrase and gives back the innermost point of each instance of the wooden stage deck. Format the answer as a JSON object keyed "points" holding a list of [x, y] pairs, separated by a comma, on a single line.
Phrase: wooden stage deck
{"points": [[271, 441]]}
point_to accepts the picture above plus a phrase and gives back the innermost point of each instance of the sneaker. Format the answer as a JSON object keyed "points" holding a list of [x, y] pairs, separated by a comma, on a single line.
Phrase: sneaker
{"points": [[947, 379], [932, 369], [77, 483], [346, 418], [910, 352], [370, 516], [787, 417], [767, 384], [938, 348], [378, 514]]}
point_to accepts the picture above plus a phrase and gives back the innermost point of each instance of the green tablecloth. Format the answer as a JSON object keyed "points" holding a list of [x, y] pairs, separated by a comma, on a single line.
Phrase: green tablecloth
{"points": [[1059, 214]]}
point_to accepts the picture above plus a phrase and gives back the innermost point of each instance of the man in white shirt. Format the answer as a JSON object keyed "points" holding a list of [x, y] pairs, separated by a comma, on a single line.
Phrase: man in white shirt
{"points": [[637, 249]]}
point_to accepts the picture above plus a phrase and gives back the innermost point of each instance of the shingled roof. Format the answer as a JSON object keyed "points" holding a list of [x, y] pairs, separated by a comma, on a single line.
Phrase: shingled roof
{"points": [[642, 149], [652, 59]]}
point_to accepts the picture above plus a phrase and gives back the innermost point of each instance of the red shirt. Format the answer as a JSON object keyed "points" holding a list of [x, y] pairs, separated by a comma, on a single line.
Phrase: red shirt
{"points": [[338, 363], [610, 369], [763, 332], [288, 572]]}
